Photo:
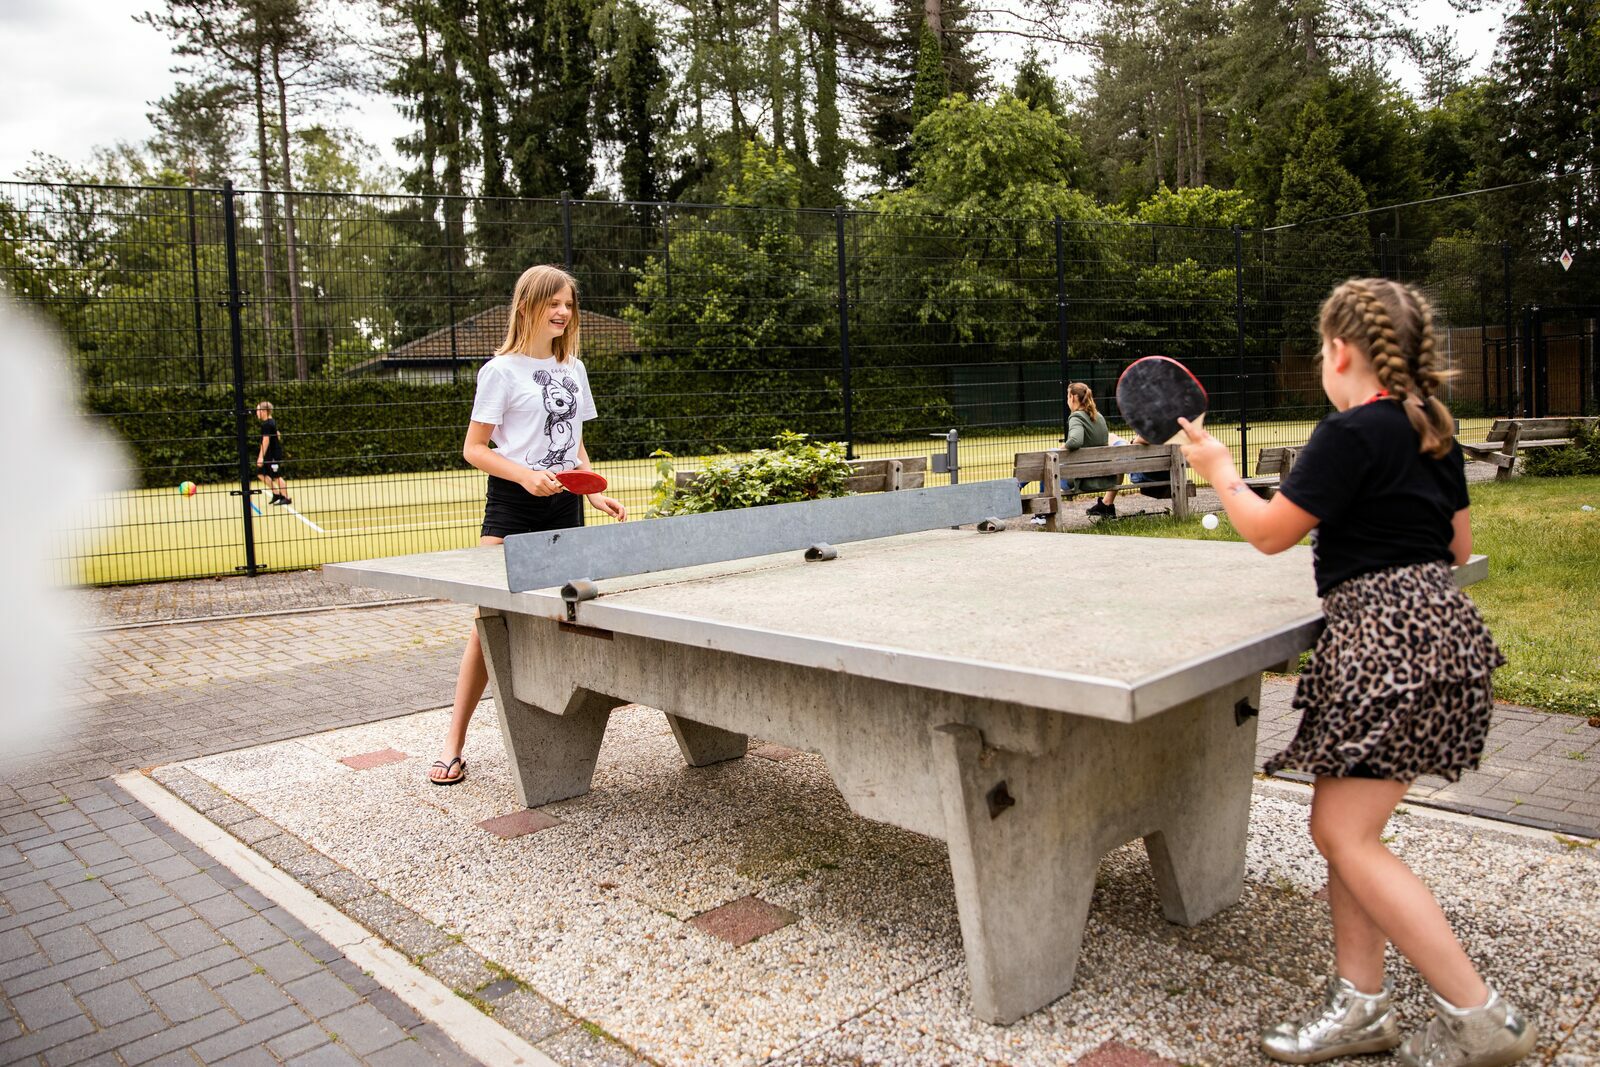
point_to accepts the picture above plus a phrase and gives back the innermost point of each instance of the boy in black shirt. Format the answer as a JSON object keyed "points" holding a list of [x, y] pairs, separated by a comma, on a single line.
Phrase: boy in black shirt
{"points": [[269, 461]]}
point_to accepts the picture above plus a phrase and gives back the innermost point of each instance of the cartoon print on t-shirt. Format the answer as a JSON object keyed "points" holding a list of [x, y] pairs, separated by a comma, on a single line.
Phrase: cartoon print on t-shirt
{"points": [[561, 401]]}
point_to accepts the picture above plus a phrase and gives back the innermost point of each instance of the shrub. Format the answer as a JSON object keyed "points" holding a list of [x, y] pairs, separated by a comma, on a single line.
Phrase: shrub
{"points": [[1580, 457], [794, 469]]}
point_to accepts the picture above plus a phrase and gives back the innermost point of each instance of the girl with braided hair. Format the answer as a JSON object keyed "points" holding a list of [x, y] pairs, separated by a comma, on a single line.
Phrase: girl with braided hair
{"points": [[1399, 683]]}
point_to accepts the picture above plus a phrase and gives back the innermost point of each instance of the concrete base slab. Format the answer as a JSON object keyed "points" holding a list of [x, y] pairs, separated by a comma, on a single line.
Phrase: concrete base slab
{"points": [[593, 913]]}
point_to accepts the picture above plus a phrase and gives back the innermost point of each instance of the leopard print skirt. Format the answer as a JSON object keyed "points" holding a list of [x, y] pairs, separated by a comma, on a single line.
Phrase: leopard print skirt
{"points": [[1399, 683]]}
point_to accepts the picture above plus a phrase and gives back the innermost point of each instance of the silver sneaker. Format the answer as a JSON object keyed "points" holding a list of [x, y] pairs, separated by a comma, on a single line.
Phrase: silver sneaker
{"points": [[1493, 1035], [1350, 1022]]}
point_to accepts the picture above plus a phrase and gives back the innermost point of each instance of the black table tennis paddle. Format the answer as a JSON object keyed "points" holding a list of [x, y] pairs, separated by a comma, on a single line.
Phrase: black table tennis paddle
{"points": [[1154, 392]]}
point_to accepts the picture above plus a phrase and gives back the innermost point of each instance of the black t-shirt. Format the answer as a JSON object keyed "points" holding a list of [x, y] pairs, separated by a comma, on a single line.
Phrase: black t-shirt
{"points": [[1379, 502], [269, 430]]}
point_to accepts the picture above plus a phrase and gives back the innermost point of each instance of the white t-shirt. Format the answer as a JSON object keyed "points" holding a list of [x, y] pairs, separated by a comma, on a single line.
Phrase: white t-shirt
{"points": [[537, 408]]}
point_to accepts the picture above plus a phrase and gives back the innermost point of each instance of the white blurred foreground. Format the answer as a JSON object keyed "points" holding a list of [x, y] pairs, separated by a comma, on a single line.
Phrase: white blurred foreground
{"points": [[54, 464]]}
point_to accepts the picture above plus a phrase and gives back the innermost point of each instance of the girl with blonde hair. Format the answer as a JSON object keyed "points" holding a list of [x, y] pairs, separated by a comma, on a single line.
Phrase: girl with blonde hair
{"points": [[531, 403]]}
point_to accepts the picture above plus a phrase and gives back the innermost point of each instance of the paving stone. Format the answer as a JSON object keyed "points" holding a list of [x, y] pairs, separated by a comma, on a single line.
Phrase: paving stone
{"points": [[115, 1003], [325, 1056], [95, 1046], [183, 967], [286, 962], [741, 921], [530, 1016], [363, 1029], [185, 999], [177, 1037], [60, 972], [195, 935], [68, 944], [115, 972], [250, 1057], [45, 1007], [252, 934], [251, 1034], [519, 823], [321, 992], [459, 968], [222, 909], [303, 1039], [253, 996], [33, 1043], [403, 1054]]}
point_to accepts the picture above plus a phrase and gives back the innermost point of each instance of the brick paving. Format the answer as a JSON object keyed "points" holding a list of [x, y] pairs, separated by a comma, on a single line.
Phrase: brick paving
{"points": [[120, 942]]}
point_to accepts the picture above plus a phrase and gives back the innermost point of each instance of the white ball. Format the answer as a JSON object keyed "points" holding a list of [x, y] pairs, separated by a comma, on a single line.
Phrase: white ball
{"points": [[1209, 522]]}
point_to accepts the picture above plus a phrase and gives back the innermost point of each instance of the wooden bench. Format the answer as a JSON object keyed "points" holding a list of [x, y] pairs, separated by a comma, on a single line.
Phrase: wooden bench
{"points": [[871, 475], [1048, 468], [1506, 436], [1272, 467]]}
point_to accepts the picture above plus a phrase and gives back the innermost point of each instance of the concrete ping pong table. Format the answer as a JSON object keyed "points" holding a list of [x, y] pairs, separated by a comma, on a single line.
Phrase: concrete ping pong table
{"points": [[1034, 700]]}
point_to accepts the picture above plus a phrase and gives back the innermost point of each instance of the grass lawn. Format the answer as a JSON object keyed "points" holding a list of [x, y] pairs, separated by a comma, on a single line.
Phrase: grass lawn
{"points": [[1542, 596]]}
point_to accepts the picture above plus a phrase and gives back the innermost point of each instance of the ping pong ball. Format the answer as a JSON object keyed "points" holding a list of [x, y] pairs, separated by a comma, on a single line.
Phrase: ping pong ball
{"points": [[1209, 522]]}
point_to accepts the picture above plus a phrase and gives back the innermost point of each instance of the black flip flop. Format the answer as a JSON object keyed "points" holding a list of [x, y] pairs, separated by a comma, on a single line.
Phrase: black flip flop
{"points": [[448, 780]]}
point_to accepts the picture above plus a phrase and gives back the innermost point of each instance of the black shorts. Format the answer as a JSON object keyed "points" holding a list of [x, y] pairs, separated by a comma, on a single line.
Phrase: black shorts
{"points": [[510, 509], [271, 468]]}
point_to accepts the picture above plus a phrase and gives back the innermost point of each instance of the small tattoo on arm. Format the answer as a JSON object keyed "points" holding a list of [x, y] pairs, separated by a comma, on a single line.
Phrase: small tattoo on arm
{"points": [[1236, 488]]}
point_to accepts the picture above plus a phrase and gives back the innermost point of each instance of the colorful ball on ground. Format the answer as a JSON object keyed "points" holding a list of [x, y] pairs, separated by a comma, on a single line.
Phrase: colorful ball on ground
{"points": [[188, 488]]}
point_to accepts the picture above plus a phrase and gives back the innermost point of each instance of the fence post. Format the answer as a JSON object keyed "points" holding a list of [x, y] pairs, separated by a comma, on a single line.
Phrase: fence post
{"points": [[1244, 378], [235, 304], [194, 282], [844, 335], [1511, 377], [666, 248], [1061, 322], [1383, 255], [566, 230], [450, 294]]}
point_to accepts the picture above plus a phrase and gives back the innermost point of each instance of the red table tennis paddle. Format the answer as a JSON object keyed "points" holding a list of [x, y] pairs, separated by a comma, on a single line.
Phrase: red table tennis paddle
{"points": [[1154, 392], [581, 482]]}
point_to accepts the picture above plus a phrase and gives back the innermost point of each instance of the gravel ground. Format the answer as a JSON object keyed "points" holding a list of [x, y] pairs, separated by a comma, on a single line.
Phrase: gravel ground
{"points": [[592, 913]]}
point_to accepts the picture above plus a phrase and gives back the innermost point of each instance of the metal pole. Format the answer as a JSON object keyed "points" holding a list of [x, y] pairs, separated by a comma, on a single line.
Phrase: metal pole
{"points": [[194, 281], [1525, 354], [666, 249], [566, 230], [1383, 255], [844, 335], [1061, 322], [1244, 380], [1505, 348], [235, 304], [450, 294]]}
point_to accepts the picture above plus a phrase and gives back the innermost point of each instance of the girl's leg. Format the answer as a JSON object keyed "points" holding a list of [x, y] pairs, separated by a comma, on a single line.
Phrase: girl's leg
{"points": [[1347, 820], [1358, 943], [471, 680]]}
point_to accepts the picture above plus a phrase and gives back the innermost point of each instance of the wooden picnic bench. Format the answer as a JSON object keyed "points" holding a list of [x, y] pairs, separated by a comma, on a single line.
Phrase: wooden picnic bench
{"points": [[871, 475], [1272, 467], [1049, 467], [1506, 436]]}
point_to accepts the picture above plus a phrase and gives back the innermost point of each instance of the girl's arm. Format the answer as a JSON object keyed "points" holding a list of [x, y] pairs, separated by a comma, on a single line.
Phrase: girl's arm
{"points": [[610, 505], [1270, 525], [477, 452], [1461, 536]]}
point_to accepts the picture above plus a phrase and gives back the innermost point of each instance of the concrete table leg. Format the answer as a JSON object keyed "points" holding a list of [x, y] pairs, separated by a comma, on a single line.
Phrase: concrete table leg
{"points": [[1026, 833], [704, 745], [552, 756], [1022, 893]]}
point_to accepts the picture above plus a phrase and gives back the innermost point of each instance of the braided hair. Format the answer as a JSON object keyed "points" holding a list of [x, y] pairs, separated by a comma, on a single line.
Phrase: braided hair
{"points": [[1393, 324], [1080, 392]]}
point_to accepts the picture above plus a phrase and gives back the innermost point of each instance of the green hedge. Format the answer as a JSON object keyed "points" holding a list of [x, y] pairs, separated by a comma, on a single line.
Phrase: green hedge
{"points": [[329, 429]]}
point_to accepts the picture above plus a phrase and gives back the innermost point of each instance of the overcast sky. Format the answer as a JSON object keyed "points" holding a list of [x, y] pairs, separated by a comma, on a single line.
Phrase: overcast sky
{"points": [[81, 73]]}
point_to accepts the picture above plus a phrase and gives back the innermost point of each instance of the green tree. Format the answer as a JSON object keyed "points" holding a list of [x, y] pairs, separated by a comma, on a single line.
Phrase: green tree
{"points": [[1318, 201]]}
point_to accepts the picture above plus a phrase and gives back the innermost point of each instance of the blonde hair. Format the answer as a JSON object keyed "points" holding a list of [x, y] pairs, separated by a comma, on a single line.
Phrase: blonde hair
{"points": [[265, 405], [1084, 396], [535, 289], [1393, 325]]}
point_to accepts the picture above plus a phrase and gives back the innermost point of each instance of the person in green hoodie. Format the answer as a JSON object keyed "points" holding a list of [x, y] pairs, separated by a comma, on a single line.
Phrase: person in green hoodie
{"points": [[1086, 428]]}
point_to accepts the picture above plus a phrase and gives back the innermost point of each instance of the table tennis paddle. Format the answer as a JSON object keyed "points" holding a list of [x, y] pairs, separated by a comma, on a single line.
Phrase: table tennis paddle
{"points": [[1154, 392], [581, 482]]}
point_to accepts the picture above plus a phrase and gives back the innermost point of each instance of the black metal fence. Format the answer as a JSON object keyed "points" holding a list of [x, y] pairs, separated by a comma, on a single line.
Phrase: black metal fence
{"points": [[706, 328]]}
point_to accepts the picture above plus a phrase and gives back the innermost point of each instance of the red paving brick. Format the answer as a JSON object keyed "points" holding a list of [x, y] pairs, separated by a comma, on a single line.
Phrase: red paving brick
{"points": [[1116, 1054], [368, 760], [741, 921], [526, 821]]}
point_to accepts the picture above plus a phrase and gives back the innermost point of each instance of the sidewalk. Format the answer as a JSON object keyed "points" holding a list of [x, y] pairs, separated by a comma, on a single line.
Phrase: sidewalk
{"points": [[116, 934]]}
